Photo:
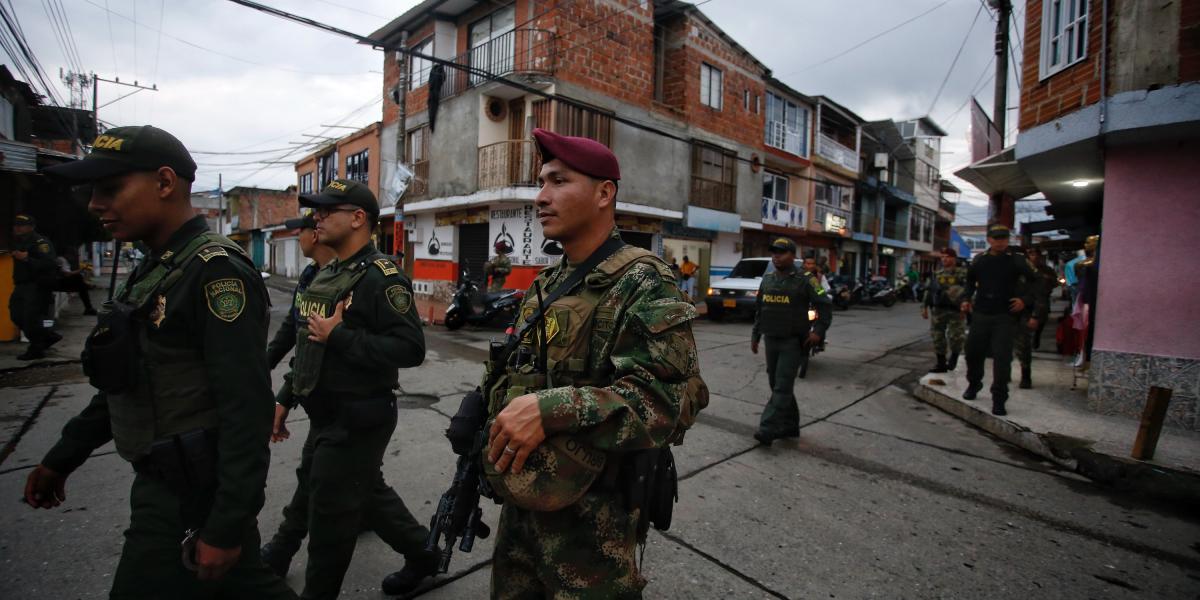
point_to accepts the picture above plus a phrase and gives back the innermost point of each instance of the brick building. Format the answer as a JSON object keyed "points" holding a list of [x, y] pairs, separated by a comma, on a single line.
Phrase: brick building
{"points": [[1109, 132], [254, 214]]}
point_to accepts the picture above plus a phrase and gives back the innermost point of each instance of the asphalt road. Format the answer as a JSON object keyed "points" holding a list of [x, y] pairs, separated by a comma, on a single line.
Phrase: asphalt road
{"points": [[882, 496]]}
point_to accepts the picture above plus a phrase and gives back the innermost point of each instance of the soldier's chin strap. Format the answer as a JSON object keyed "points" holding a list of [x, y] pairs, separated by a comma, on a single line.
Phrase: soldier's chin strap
{"points": [[607, 249]]}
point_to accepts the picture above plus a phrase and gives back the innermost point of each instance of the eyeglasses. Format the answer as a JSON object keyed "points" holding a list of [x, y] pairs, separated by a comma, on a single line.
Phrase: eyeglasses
{"points": [[322, 212]]}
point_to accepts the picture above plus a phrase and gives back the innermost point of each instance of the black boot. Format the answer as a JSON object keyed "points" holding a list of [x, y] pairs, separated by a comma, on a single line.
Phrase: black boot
{"points": [[763, 438], [941, 364], [415, 570], [1026, 378], [998, 405], [972, 390], [953, 364], [278, 556], [32, 353]]}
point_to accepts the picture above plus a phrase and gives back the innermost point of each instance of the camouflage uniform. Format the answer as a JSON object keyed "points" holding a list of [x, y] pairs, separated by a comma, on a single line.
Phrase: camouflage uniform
{"points": [[622, 372], [946, 321], [498, 268]]}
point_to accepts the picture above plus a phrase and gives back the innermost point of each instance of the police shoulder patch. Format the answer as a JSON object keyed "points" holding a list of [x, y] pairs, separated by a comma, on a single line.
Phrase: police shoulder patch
{"points": [[226, 298], [207, 254], [399, 298], [44, 248], [388, 267]]}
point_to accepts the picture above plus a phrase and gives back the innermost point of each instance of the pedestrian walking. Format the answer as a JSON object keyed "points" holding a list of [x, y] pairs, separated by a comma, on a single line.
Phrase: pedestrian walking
{"points": [[687, 271], [995, 299], [607, 374], [499, 267], [781, 317], [942, 300], [357, 327], [34, 275], [184, 392]]}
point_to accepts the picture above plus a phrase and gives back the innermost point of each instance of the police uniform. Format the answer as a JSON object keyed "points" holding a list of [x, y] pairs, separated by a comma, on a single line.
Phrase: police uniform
{"points": [[781, 316], [946, 326], [33, 285], [346, 386], [185, 394], [621, 376], [285, 337], [498, 268], [1039, 287], [992, 281]]}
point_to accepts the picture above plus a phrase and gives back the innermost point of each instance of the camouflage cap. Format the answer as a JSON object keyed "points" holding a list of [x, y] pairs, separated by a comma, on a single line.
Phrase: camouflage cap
{"points": [[556, 475]]}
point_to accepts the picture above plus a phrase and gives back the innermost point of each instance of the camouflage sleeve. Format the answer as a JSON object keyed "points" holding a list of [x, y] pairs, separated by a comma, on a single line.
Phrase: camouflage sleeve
{"points": [[654, 365], [87, 431]]}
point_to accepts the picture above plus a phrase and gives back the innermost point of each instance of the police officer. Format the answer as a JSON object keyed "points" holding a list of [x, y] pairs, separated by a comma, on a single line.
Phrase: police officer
{"points": [[1034, 317], [942, 299], [498, 267], [357, 328], [781, 316], [320, 255], [34, 276], [609, 371], [995, 298], [185, 393]]}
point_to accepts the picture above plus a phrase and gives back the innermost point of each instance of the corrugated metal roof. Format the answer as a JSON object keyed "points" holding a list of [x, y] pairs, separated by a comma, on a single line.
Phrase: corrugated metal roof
{"points": [[17, 157]]}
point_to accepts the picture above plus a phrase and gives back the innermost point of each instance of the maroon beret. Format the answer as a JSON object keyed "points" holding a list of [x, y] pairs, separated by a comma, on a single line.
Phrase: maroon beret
{"points": [[582, 154]]}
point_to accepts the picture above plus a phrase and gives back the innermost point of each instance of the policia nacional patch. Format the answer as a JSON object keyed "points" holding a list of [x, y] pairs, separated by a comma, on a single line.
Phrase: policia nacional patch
{"points": [[226, 298], [399, 298]]}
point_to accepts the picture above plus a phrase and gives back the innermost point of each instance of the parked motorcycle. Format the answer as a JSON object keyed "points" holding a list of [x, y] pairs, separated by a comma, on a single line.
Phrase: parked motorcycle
{"points": [[469, 305], [839, 289], [878, 291]]}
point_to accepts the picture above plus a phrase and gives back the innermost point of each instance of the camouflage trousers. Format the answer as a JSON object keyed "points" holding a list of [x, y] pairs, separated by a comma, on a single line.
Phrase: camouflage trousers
{"points": [[581, 552], [947, 328]]}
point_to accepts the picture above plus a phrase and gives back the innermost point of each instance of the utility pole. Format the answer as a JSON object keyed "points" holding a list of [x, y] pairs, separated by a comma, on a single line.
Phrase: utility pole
{"points": [[220, 205], [1001, 205], [96, 79]]}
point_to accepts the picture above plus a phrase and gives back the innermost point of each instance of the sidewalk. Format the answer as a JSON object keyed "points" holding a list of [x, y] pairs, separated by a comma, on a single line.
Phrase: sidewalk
{"points": [[71, 324], [1052, 420]]}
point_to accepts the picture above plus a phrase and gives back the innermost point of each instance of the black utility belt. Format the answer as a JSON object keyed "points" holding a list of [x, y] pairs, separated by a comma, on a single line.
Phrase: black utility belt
{"points": [[354, 412], [186, 462]]}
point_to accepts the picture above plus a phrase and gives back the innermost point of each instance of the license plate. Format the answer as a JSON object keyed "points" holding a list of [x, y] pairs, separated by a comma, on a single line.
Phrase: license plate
{"points": [[729, 303]]}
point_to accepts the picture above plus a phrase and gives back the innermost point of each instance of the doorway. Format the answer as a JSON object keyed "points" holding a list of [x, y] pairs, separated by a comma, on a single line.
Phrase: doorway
{"points": [[473, 250]]}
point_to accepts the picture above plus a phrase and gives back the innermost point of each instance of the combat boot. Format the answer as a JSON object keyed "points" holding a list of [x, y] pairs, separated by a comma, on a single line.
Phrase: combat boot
{"points": [[763, 438], [972, 390], [953, 364], [1026, 378], [278, 557], [415, 570], [941, 364], [32, 353], [998, 405]]}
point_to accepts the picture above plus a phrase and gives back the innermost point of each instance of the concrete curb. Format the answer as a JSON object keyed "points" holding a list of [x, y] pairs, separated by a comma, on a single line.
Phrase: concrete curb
{"points": [[1120, 473]]}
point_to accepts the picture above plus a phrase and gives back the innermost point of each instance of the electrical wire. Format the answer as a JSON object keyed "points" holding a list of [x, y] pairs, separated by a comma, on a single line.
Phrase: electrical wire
{"points": [[955, 61], [58, 35], [111, 39], [62, 10], [866, 41]]}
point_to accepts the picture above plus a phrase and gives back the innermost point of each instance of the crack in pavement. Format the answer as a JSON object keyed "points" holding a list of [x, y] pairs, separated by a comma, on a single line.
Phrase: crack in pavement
{"points": [[11, 446], [716, 561]]}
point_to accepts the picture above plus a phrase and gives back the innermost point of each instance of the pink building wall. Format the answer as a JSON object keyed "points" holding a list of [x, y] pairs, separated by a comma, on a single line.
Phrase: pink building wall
{"points": [[1149, 297]]}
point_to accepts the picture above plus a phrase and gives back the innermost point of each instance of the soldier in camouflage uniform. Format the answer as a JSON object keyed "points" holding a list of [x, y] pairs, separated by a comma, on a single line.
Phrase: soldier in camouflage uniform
{"points": [[499, 267], [941, 297], [1034, 317], [621, 375]]}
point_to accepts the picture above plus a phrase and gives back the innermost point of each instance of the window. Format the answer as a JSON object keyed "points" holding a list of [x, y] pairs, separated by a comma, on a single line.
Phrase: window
{"points": [[418, 68], [787, 126], [660, 60], [932, 176], [838, 196], [775, 187], [418, 159], [583, 122], [491, 49], [1064, 34], [920, 225], [327, 169], [713, 184], [306, 181], [357, 166], [710, 86]]}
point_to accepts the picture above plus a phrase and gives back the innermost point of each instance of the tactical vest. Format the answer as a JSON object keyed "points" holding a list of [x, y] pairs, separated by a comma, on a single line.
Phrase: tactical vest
{"points": [[321, 296], [562, 469], [169, 390], [784, 300], [948, 287]]}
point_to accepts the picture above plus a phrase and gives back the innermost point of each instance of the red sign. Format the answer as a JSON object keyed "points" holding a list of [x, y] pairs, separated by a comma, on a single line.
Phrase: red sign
{"points": [[397, 237]]}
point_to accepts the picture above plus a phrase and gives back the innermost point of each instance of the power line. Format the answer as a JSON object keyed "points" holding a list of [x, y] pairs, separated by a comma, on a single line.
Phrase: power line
{"points": [[866, 41], [62, 10], [111, 40], [955, 61]]}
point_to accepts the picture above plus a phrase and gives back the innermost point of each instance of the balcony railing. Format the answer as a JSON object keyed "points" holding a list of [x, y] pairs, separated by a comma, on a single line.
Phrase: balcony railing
{"points": [[420, 179], [839, 154], [507, 164], [716, 195], [894, 230], [520, 51], [778, 212], [832, 220]]}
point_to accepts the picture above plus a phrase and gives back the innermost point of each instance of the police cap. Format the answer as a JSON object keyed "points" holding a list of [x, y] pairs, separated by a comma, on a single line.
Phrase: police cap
{"points": [[998, 231], [343, 191], [24, 219], [783, 245], [122, 150], [582, 154]]}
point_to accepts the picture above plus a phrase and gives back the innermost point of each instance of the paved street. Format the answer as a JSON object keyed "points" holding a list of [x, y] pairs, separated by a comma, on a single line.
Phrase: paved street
{"points": [[882, 496]]}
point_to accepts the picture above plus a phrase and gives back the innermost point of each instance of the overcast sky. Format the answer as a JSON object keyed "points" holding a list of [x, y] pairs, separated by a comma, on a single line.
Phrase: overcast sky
{"points": [[231, 79]]}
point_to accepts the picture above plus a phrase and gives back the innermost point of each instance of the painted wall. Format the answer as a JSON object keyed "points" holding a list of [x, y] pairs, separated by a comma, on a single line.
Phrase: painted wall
{"points": [[1147, 303]]}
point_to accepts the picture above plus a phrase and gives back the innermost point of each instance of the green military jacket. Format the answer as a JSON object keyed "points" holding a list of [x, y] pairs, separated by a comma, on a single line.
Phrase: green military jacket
{"points": [[380, 331], [624, 372], [784, 299], [946, 288], [39, 268], [210, 325], [499, 266]]}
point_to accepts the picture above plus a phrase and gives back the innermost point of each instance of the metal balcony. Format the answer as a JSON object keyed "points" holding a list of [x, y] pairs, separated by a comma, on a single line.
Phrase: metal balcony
{"points": [[511, 163], [782, 214], [831, 150], [518, 52]]}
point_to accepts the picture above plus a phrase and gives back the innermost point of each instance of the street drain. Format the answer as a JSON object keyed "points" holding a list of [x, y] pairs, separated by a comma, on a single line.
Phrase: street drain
{"points": [[411, 401]]}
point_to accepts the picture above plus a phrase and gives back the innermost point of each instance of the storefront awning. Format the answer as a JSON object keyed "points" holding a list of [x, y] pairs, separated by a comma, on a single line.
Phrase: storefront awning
{"points": [[999, 173]]}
